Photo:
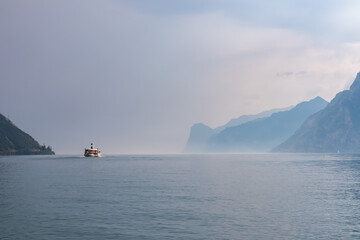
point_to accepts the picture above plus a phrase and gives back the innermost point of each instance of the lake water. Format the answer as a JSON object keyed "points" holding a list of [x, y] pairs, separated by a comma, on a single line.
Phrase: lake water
{"points": [[260, 196]]}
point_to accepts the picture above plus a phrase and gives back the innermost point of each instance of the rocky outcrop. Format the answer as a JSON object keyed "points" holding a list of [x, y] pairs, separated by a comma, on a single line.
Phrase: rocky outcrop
{"points": [[334, 129], [13, 141]]}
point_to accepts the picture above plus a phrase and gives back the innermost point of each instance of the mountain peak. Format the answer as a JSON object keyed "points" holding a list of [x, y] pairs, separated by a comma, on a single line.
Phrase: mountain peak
{"points": [[200, 126], [318, 99], [356, 84], [335, 128], [315, 103], [314, 100]]}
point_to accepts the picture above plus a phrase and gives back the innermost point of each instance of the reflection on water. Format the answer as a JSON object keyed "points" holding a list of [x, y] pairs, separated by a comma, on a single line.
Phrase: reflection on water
{"points": [[263, 196]]}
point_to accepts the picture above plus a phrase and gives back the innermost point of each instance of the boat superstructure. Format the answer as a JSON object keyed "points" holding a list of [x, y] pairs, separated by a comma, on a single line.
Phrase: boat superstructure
{"points": [[92, 152]]}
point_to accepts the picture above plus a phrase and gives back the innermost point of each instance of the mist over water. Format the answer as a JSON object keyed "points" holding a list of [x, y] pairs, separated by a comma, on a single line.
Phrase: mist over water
{"points": [[260, 196], [134, 76]]}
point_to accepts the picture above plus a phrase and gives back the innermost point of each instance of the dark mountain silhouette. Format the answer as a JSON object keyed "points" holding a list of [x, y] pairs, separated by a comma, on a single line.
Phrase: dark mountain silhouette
{"points": [[334, 129], [14, 141], [262, 135]]}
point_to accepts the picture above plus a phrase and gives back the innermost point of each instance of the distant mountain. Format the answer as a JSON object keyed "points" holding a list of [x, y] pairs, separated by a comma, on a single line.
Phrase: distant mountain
{"points": [[200, 133], [14, 141], [263, 134], [334, 129], [247, 118]]}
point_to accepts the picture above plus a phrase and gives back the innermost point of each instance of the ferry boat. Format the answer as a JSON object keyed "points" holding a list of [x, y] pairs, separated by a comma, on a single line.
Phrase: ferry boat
{"points": [[92, 152]]}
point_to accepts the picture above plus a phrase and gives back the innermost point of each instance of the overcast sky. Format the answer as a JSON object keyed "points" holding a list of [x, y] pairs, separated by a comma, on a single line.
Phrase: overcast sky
{"points": [[133, 76]]}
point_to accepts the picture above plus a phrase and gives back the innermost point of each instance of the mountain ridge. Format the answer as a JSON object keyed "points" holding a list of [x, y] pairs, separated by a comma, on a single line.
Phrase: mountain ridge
{"points": [[200, 133], [14, 141], [264, 134], [334, 129]]}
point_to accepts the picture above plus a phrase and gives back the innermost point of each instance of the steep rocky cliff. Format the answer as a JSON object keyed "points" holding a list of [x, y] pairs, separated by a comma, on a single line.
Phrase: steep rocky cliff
{"points": [[334, 129]]}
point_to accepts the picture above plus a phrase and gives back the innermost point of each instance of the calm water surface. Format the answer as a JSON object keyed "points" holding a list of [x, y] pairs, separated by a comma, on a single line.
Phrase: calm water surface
{"points": [[262, 196]]}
